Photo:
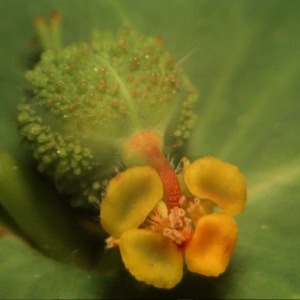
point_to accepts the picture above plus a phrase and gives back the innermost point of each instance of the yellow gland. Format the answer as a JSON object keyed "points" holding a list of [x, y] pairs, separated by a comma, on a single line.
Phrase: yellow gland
{"points": [[156, 234]]}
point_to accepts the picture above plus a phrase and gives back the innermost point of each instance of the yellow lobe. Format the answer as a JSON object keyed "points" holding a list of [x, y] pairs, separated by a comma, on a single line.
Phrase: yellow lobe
{"points": [[218, 181], [209, 251], [130, 197], [152, 258]]}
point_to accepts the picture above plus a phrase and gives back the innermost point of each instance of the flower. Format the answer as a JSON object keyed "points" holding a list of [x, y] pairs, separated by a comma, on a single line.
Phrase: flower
{"points": [[156, 237]]}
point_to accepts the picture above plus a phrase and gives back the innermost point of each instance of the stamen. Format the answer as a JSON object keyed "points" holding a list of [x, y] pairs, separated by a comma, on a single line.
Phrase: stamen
{"points": [[197, 201], [174, 235], [182, 201], [111, 242], [175, 226], [180, 212]]}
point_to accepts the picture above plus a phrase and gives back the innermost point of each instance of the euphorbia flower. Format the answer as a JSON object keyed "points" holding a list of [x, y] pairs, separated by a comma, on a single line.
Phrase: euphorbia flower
{"points": [[158, 229]]}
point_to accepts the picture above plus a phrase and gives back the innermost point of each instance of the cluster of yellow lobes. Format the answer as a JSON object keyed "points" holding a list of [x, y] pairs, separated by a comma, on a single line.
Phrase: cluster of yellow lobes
{"points": [[122, 100], [160, 218]]}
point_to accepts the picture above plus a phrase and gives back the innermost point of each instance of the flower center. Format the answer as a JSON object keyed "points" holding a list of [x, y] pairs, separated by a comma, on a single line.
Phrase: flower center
{"points": [[175, 224]]}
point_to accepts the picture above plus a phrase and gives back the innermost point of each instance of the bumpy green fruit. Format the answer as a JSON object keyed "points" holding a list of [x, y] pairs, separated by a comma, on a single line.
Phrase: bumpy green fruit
{"points": [[85, 100]]}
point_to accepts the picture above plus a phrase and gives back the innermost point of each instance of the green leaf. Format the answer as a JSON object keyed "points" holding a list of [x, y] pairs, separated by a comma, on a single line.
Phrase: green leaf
{"points": [[41, 215], [244, 58], [26, 274]]}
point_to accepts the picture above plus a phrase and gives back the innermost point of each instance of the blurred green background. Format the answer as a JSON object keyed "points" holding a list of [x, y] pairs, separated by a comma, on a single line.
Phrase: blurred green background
{"points": [[245, 61]]}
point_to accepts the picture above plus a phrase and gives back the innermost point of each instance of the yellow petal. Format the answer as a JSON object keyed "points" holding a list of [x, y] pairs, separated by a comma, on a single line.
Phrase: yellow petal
{"points": [[130, 197], [218, 181], [151, 257], [209, 251]]}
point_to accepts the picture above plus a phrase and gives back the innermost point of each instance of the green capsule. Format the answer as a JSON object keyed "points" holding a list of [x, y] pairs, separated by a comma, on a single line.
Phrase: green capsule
{"points": [[83, 101]]}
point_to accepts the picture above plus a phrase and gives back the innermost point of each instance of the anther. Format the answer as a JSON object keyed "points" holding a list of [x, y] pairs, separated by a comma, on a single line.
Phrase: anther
{"points": [[180, 212], [197, 201], [182, 200]]}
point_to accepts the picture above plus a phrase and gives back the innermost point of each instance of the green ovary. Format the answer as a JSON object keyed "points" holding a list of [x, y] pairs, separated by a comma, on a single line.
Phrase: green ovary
{"points": [[84, 101]]}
